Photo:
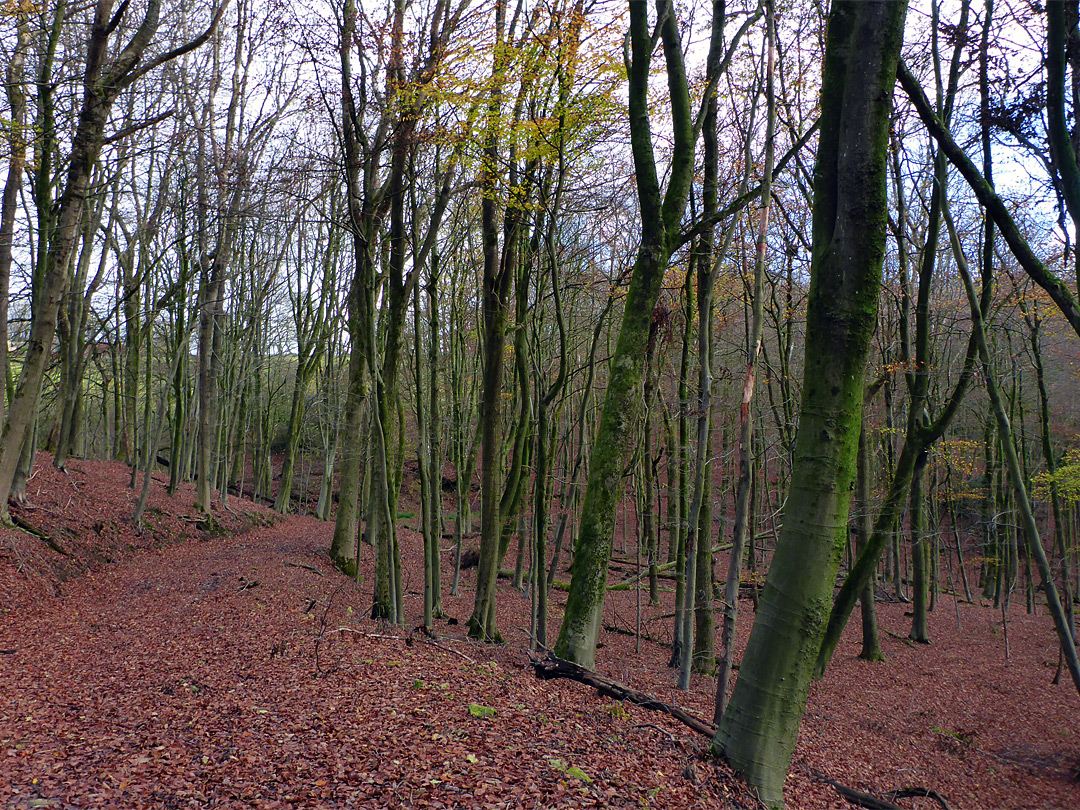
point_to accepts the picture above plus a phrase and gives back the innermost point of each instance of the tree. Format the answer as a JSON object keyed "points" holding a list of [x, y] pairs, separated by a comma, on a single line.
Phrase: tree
{"points": [[758, 732], [661, 216], [1065, 631], [753, 349], [500, 266], [103, 81], [10, 200]]}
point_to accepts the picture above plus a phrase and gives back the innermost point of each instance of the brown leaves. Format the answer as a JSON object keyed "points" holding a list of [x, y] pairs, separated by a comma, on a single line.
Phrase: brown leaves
{"points": [[159, 681]]}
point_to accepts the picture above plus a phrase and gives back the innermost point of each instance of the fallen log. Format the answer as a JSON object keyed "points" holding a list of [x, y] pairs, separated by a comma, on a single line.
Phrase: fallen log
{"points": [[871, 802], [857, 797], [550, 667], [30, 528]]}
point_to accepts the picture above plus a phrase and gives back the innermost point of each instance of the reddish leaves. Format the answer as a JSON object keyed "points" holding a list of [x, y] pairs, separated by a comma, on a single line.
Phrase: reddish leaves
{"points": [[162, 681]]}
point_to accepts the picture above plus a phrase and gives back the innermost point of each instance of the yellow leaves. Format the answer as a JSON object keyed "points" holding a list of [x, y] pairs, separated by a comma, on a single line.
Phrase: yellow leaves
{"points": [[959, 455], [1066, 479], [10, 8]]}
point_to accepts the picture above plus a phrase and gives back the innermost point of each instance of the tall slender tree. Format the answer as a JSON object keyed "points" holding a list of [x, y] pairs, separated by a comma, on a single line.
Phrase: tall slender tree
{"points": [[103, 81], [758, 732]]}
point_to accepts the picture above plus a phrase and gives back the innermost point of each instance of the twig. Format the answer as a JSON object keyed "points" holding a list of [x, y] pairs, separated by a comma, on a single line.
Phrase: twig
{"points": [[611, 628], [322, 628], [663, 731], [447, 649], [368, 635], [306, 567], [904, 793]]}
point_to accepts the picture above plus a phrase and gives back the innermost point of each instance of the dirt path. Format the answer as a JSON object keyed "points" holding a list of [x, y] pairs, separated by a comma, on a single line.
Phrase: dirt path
{"points": [[189, 678]]}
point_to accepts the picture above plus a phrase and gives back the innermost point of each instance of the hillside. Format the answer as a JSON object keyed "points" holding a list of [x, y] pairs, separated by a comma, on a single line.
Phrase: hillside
{"points": [[228, 665]]}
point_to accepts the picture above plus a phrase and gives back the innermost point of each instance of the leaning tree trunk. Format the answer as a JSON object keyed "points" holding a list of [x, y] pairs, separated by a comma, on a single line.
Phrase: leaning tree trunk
{"points": [[660, 220], [758, 732], [10, 200], [1012, 466]]}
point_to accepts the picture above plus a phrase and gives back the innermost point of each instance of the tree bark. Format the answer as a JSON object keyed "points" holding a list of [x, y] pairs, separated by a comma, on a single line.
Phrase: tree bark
{"points": [[102, 83], [10, 200], [1012, 465], [758, 732], [660, 217]]}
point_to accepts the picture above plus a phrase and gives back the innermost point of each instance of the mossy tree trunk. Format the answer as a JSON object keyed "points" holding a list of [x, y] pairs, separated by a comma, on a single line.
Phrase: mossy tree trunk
{"points": [[1012, 466], [661, 215], [365, 208], [1034, 323], [759, 729], [16, 148], [920, 630], [683, 593], [920, 433], [871, 645], [499, 268]]}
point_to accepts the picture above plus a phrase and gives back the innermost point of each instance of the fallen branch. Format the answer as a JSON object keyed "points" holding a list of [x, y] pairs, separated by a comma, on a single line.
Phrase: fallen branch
{"points": [[550, 667], [857, 797], [622, 631], [899, 637], [923, 793], [436, 644], [306, 567], [362, 634], [407, 640], [30, 528]]}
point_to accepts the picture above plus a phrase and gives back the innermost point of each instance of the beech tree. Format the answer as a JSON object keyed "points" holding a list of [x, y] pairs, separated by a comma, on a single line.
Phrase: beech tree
{"points": [[9, 202], [103, 81], [758, 731], [661, 213]]}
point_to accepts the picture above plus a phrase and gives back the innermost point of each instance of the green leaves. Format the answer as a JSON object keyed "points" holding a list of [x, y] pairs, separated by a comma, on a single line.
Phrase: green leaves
{"points": [[573, 771], [476, 710]]}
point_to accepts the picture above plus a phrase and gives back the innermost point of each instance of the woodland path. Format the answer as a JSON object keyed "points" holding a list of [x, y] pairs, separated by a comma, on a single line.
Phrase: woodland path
{"points": [[189, 678]]}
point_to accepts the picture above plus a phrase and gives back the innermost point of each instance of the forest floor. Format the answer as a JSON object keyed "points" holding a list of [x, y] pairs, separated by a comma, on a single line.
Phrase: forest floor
{"points": [[229, 665]]}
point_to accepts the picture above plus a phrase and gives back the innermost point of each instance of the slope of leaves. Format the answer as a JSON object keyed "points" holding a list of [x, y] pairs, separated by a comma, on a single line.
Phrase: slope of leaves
{"points": [[241, 671]]}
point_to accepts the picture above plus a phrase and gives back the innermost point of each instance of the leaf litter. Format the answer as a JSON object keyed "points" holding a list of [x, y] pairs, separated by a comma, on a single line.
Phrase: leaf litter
{"points": [[234, 668]]}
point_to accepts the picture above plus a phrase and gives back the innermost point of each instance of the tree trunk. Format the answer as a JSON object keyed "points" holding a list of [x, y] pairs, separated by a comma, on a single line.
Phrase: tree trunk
{"points": [[743, 516], [10, 200], [920, 631], [1012, 464], [102, 83], [660, 220], [758, 732]]}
